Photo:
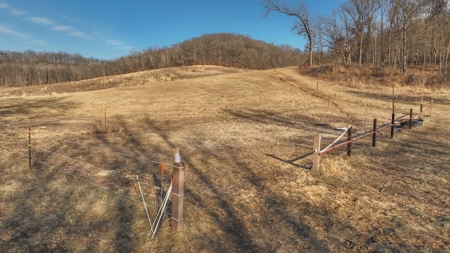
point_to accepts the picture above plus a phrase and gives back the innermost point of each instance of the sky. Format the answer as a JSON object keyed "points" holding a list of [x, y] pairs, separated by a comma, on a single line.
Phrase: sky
{"points": [[109, 29]]}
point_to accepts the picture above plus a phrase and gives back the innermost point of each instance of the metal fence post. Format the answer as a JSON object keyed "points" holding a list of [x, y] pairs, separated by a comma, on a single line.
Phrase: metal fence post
{"points": [[374, 136], [410, 118], [349, 138], [29, 148], [392, 123]]}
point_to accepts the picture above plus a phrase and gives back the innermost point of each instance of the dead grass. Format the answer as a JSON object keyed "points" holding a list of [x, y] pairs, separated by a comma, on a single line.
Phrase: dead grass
{"points": [[133, 79], [245, 137]]}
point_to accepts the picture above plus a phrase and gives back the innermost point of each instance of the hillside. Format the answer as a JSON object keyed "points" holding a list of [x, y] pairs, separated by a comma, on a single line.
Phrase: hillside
{"points": [[245, 137], [228, 50]]}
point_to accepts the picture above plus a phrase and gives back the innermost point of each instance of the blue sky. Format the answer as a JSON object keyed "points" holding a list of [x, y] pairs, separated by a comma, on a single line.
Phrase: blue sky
{"points": [[108, 29]]}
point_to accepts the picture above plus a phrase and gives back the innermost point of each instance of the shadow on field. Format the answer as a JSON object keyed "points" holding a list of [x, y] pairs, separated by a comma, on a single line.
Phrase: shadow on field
{"points": [[34, 108], [400, 98], [238, 235], [55, 206]]}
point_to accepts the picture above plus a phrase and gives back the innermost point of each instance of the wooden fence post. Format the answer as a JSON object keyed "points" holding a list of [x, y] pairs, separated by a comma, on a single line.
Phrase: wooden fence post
{"points": [[178, 192], [316, 154], [374, 136], [29, 148], [392, 123], [410, 118], [349, 145]]}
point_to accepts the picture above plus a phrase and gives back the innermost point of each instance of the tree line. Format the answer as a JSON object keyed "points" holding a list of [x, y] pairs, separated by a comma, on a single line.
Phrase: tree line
{"points": [[387, 33], [230, 50]]}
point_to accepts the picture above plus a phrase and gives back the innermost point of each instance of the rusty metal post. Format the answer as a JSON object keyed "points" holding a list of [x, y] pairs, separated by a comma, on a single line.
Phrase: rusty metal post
{"points": [[374, 136], [178, 192], [29, 148], [410, 118], [349, 138], [316, 154], [392, 123]]}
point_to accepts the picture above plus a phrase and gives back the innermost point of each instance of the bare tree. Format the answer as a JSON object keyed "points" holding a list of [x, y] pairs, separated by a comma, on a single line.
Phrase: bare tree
{"points": [[302, 25], [405, 11]]}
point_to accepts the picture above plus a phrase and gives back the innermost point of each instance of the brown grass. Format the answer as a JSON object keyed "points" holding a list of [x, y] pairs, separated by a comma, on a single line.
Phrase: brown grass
{"points": [[243, 136], [361, 76]]}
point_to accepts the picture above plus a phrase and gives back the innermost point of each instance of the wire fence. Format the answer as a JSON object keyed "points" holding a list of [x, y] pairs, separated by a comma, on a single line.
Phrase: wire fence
{"points": [[83, 171], [350, 144]]}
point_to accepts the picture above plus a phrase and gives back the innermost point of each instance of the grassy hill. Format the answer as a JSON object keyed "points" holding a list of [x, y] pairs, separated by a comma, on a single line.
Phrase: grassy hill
{"points": [[245, 137]]}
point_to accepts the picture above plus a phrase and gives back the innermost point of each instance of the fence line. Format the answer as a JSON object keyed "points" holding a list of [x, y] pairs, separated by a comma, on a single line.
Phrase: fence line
{"points": [[90, 165], [66, 172], [87, 181], [317, 139], [113, 151]]}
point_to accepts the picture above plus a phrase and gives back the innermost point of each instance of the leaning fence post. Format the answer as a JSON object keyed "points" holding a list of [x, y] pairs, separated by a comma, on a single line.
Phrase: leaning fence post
{"points": [[316, 154], [374, 136], [410, 118], [392, 125], [178, 192], [349, 145], [29, 148]]}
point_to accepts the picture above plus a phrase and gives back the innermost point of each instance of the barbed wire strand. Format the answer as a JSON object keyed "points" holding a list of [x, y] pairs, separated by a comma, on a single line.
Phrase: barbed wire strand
{"points": [[113, 151], [86, 181], [94, 184], [90, 165], [82, 179]]}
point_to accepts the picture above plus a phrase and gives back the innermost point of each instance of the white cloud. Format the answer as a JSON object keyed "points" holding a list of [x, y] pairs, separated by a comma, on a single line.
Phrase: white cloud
{"points": [[114, 42], [42, 21], [15, 12], [78, 34], [4, 6], [12, 33], [62, 28], [118, 45]]}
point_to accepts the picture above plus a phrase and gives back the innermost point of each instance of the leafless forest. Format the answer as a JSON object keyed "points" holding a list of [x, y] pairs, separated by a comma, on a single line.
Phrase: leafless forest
{"points": [[399, 34]]}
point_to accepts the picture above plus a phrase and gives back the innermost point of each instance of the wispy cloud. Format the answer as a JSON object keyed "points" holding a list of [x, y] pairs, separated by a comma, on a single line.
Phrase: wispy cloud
{"points": [[15, 12], [79, 34], [118, 45], [62, 28], [12, 11], [114, 43], [12, 33], [42, 21]]}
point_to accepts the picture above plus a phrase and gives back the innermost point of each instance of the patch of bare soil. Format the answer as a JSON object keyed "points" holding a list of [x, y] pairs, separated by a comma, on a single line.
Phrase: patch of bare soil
{"points": [[246, 139]]}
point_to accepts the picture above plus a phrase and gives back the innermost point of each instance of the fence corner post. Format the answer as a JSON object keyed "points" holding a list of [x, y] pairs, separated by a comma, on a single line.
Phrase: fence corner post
{"points": [[178, 192], [316, 154]]}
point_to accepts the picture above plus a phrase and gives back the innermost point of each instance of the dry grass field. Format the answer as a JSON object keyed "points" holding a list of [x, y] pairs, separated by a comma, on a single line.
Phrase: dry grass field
{"points": [[246, 137]]}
